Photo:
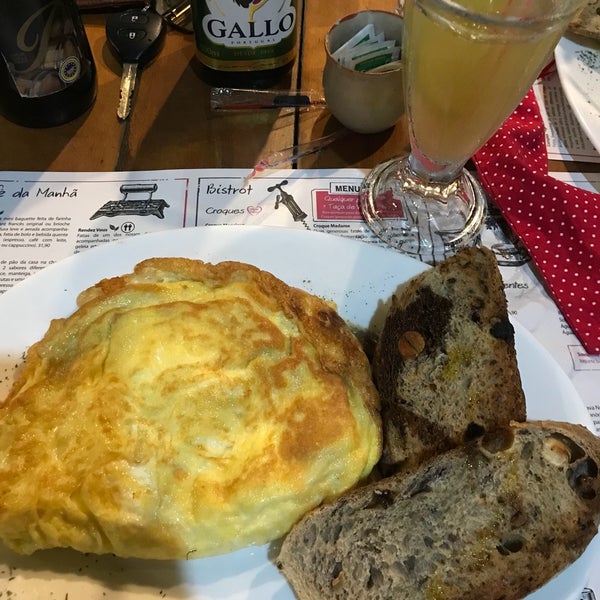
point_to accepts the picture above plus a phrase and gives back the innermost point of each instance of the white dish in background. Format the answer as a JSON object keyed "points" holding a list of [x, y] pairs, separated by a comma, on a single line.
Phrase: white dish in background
{"points": [[578, 64], [359, 277]]}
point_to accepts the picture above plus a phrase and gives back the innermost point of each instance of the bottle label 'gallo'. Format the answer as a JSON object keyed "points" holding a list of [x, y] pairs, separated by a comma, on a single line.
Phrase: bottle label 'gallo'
{"points": [[245, 35]]}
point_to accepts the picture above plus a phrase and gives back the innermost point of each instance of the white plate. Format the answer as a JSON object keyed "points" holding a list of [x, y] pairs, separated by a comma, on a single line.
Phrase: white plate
{"points": [[578, 64], [359, 277]]}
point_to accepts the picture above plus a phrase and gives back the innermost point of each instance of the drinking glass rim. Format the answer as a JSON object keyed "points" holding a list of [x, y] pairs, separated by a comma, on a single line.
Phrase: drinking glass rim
{"points": [[456, 7]]}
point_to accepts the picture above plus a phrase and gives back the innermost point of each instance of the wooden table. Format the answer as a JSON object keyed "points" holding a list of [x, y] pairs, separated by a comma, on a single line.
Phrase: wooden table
{"points": [[172, 126]]}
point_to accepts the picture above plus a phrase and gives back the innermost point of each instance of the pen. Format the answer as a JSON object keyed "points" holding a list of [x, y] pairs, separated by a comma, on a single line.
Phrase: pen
{"points": [[224, 98]]}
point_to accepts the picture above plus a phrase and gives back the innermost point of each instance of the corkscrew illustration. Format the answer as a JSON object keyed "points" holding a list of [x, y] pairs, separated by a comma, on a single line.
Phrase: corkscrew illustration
{"points": [[286, 199]]}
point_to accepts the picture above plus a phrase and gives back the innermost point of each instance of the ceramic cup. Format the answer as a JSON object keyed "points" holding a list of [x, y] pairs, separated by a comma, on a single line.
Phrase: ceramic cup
{"points": [[365, 102]]}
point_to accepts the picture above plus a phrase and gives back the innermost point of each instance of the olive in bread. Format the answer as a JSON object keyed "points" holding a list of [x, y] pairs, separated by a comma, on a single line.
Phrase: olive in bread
{"points": [[445, 363], [504, 514]]}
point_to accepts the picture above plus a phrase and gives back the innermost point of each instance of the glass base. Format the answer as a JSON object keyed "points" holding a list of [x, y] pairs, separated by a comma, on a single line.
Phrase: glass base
{"points": [[427, 221]]}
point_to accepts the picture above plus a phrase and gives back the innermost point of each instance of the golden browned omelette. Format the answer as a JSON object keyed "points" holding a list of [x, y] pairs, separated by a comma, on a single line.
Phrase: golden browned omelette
{"points": [[184, 410]]}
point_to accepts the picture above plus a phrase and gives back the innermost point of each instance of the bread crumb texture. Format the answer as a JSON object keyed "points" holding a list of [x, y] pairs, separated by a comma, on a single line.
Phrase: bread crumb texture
{"points": [[445, 363], [499, 517]]}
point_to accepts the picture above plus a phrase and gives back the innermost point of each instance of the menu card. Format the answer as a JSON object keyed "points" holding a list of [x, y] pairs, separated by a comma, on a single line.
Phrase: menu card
{"points": [[45, 217], [565, 138]]}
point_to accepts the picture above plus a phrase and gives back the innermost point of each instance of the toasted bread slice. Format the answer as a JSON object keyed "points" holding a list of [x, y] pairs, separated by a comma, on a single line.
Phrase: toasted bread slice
{"points": [[499, 517], [587, 21], [445, 363]]}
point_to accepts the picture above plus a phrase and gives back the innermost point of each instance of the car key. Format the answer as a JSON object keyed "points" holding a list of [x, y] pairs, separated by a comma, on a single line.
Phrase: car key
{"points": [[136, 36]]}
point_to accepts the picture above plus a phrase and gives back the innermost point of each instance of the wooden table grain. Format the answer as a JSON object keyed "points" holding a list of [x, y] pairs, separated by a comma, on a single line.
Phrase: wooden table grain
{"points": [[172, 127]]}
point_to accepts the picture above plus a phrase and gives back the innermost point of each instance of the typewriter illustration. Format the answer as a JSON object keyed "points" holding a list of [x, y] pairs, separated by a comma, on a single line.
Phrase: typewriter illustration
{"points": [[141, 207]]}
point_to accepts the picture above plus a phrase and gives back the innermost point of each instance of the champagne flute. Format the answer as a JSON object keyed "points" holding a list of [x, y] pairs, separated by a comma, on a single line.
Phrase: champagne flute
{"points": [[467, 65]]}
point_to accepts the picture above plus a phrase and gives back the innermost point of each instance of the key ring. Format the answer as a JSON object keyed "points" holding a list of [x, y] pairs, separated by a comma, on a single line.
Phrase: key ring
{"points": [[178, 16]]}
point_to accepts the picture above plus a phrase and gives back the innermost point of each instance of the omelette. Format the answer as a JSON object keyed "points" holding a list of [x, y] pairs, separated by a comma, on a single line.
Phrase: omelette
{"points": [[184, 410]]}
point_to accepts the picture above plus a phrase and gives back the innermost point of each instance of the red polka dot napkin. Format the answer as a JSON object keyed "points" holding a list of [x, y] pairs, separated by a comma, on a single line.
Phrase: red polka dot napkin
{"points": [[558, 223]]}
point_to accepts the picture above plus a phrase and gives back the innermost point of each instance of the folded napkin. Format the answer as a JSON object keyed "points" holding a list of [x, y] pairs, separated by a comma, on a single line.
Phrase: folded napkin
{"points": [[558, 223]]}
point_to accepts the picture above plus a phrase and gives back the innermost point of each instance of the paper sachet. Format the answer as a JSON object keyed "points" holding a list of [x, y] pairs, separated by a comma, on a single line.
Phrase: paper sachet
{"points": [[367, 49]]}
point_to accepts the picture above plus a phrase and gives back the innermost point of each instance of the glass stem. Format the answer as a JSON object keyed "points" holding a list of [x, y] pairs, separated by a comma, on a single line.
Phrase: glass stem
{"points": [[431, 180], [429, 172]]}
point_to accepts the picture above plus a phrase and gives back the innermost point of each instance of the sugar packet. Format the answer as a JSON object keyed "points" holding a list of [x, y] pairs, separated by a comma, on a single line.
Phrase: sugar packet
{"points": [[366, 50]]}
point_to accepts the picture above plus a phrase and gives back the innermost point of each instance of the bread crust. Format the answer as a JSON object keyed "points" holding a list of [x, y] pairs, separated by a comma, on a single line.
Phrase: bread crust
{"points": [[496, 518]]}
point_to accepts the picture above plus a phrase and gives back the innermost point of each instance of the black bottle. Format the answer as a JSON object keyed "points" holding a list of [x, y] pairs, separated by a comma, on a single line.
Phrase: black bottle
{"points": [[47, 71]]}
